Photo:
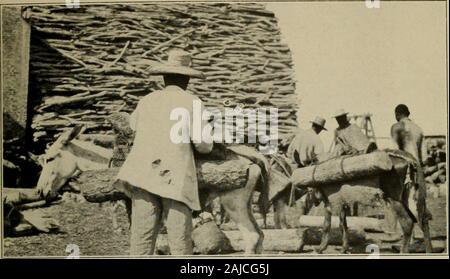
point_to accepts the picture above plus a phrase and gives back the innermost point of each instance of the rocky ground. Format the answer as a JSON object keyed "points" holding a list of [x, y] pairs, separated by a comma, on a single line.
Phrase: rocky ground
{"points": [[89, 226]]}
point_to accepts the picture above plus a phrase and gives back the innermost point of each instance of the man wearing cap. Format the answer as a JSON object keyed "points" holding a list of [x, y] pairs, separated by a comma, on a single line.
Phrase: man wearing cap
{"points": [[159, 175], [348, 137], [304, 150], [409, 137]]}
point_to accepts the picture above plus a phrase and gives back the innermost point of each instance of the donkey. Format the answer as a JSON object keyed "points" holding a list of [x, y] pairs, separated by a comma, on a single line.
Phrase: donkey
{"points": [[397, 187], [67, 155], [66, 158]]}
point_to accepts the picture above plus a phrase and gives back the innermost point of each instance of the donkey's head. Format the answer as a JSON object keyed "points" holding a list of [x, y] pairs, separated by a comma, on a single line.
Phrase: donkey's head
{"points": [[58, 164]]}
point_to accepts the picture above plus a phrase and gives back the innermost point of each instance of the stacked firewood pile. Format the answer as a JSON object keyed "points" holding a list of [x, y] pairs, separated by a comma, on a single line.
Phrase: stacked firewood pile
{"points": [[89, 62], [435, 162]]}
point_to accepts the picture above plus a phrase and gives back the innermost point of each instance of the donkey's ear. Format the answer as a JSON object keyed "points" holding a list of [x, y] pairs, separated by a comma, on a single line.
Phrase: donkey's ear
{"points": [[72, 134], [41, 160]]}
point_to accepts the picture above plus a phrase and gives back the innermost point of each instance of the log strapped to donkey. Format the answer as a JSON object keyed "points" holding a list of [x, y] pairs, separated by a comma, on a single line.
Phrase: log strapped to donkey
{"points": [[396, 177], [216, 175]]}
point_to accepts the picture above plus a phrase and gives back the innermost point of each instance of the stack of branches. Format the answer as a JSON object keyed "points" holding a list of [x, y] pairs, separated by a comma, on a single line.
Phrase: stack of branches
{"points": [[435, 161], [89, 62]]}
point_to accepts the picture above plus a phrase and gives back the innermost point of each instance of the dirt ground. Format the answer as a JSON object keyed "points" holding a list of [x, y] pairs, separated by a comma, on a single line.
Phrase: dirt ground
{"points": [[89, 226]]}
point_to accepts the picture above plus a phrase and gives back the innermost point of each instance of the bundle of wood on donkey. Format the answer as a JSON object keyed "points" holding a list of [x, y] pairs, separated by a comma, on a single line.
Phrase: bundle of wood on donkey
{"points": [[395, 174]]}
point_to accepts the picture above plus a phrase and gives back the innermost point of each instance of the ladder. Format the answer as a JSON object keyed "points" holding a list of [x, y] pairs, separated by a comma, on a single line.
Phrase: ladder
{"points": [[364, 121]]}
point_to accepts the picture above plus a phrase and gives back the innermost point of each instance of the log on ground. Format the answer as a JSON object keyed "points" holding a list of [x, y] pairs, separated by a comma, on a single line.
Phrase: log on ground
{"points": [[366, 224], [290, 240], [357, 223], [17, 196], [287, 240]]}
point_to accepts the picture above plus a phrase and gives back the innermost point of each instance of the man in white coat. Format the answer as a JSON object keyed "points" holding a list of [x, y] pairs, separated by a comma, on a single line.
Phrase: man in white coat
{"points": [[159, 174]]}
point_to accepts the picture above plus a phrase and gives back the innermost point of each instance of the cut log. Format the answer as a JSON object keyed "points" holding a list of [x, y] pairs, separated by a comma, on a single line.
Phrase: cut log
{"points": [[441, 179], [16, 196], [59, 101], [313, 236], [435, 176], [210, 240], [286, 240], [40, 221], [223, 175], [29, 222], [430, 170], [366, 224], [357, 223], [24, 229], [274, 240], [32, 205], [342, 169], [217, 175]]}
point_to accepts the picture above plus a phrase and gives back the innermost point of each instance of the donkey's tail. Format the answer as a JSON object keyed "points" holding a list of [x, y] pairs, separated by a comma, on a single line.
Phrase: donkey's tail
{"points": [[263, 200]]}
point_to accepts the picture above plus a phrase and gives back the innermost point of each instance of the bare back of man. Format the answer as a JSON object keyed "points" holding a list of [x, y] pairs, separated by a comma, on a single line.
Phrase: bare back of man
{"points": [[409, 136]]}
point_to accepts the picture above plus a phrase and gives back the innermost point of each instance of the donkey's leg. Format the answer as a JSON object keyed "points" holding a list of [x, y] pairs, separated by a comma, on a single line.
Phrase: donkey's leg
{"points": [[326, 225], [279, 210], [406, 222], [224, 217], [238, 204], [128, 206], [345, 209], [113, 209]]}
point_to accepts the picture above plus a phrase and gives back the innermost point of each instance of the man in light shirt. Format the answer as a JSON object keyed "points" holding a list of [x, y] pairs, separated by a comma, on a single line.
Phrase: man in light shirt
{"points": [[159, 174], [349, 138], [305, 149]]}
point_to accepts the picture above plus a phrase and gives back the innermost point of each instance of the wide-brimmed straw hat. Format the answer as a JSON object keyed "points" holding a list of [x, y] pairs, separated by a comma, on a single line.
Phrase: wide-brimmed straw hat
{"points": [[340, 112], [178, 62], [319, 121]]}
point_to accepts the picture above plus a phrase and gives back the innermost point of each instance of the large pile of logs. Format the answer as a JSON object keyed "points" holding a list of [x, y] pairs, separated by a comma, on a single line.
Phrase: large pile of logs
{"points": [[435, 162], [91, 61]]}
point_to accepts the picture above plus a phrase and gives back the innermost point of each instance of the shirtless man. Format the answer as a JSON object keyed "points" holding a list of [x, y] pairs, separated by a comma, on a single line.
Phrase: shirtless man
{"points": [[409, 136]]}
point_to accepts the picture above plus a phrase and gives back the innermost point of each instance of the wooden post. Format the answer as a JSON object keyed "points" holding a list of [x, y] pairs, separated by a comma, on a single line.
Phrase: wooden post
{"points": [[16, 56]]}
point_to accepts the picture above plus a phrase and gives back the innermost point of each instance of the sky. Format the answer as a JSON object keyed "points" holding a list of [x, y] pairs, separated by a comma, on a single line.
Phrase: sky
{"points": [[368, 60]]}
